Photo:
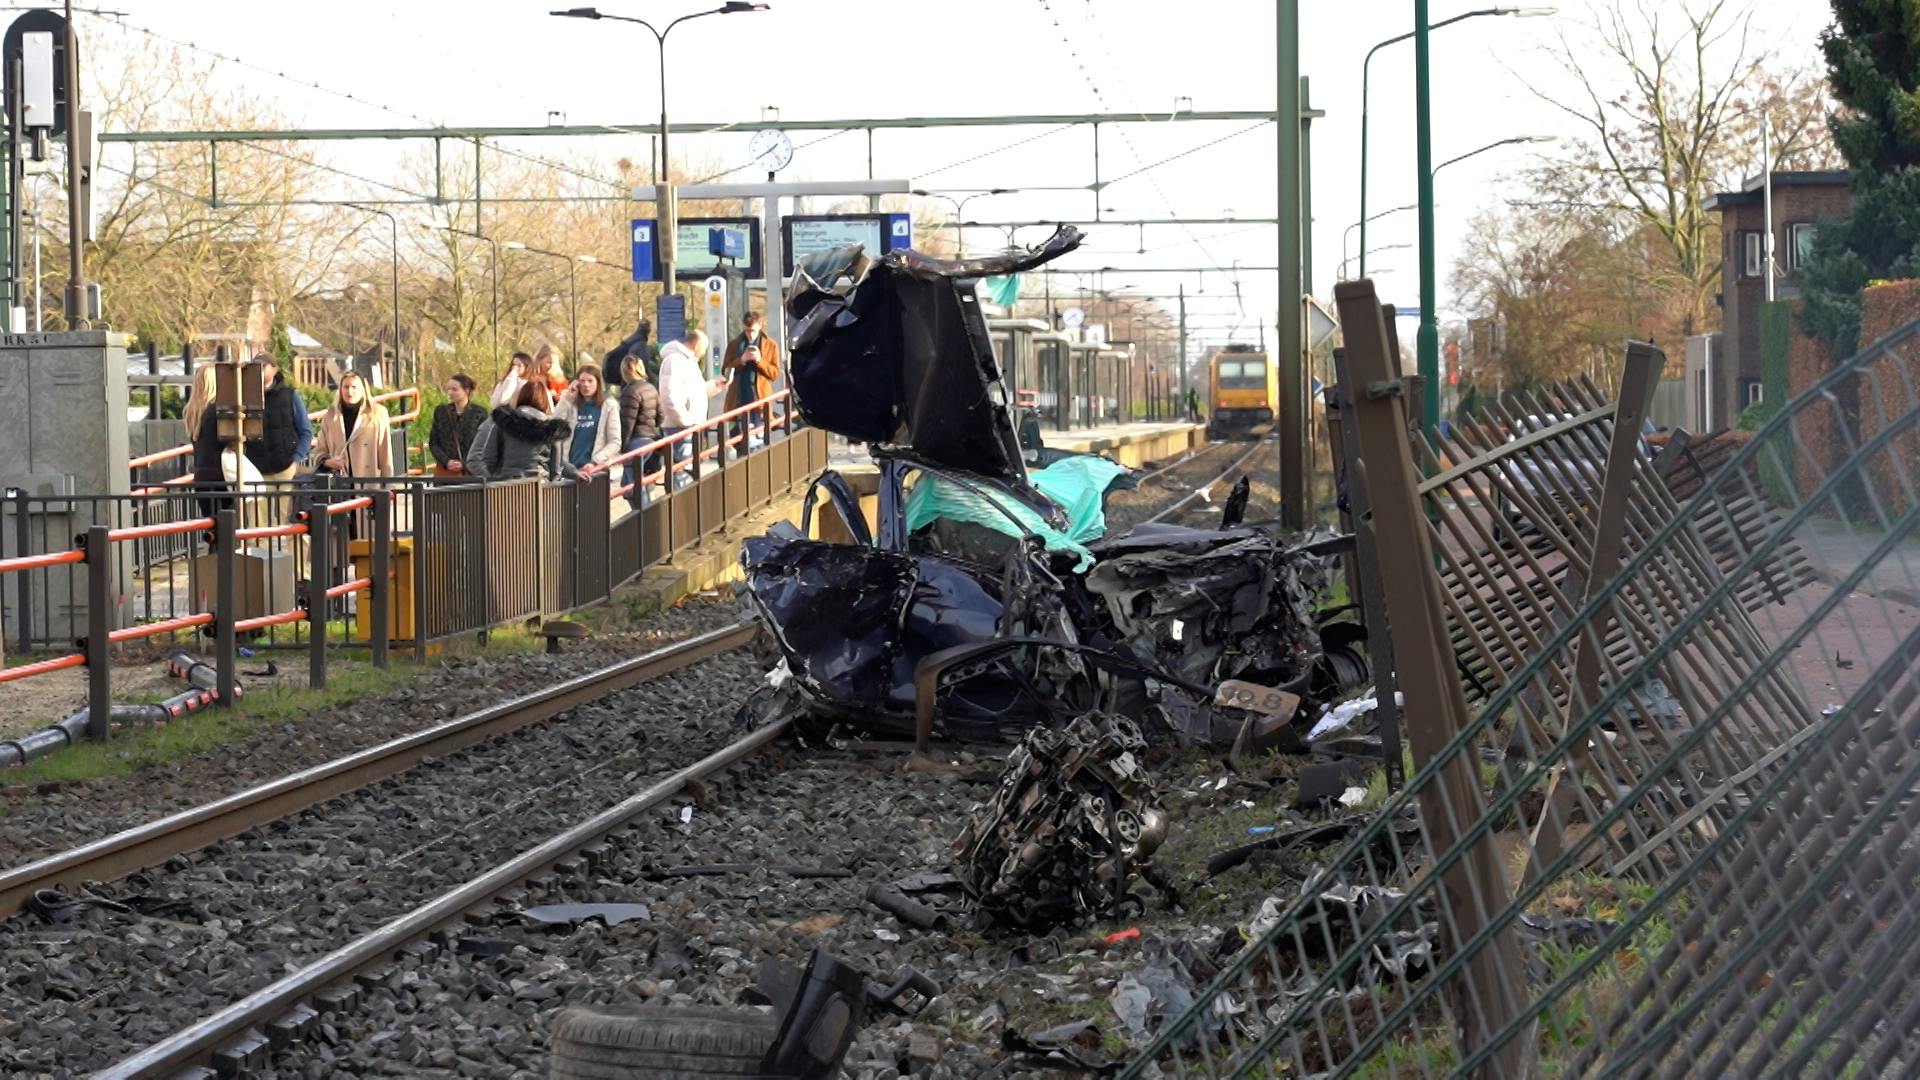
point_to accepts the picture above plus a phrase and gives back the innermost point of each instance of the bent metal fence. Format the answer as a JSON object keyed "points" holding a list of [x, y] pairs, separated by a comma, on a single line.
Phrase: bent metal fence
{"points": [[1676, 837]]}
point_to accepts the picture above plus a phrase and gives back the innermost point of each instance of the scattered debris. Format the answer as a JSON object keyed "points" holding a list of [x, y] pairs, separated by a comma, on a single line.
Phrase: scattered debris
{"points": [[1074, 822], [567, 914]]}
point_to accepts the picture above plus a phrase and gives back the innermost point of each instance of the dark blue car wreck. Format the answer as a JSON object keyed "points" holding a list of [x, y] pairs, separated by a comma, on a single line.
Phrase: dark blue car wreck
{"points": [[988, 600]]}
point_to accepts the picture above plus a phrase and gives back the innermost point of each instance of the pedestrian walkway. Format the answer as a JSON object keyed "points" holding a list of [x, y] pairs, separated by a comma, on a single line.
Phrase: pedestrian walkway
{"points": [[1836, 549]]}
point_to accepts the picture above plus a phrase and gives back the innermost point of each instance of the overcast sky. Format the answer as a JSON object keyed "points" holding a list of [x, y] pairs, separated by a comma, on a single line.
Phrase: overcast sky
{"points": [[497, 62]]}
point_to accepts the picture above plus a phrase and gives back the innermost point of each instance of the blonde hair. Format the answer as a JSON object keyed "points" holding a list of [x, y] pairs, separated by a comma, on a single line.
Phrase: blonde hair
{"points": [[205, 386], [340, 388], [633, 369]]}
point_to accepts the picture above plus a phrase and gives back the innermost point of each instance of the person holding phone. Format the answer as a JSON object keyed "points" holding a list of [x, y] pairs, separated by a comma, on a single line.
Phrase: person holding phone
{"points": [[751, 364]]}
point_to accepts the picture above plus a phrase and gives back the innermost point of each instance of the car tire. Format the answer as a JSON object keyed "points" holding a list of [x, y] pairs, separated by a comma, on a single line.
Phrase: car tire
{"points": [[606, 1043]]}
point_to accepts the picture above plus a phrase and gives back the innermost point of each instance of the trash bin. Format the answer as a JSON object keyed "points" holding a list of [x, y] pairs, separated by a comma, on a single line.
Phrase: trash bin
{"points": [[399, 593]]}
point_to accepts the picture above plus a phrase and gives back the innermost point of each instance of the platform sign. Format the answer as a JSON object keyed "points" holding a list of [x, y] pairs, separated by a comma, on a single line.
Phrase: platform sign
{"points": [[670, 318], [809, 234], [645, 260], [714, 319], [692, 234]]}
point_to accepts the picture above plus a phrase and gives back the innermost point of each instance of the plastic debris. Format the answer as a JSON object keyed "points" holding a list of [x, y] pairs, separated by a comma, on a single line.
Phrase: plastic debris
{"points": [[566, 914]]}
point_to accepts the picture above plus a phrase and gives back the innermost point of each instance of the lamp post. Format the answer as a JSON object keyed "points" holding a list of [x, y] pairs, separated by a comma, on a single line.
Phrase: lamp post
{"points": [[1515, 140], [732, 7], [393, 227], [573, 291], [1365, 67], [1361, 225], [1375, 251], [639, 303], [493, 275], [960, 210]]}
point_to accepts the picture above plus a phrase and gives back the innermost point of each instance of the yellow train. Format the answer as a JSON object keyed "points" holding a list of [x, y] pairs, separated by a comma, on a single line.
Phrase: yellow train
{"points": [[1243, 392]]}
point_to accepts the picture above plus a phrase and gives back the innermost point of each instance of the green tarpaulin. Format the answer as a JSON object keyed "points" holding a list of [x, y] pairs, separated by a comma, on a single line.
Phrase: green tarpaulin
{"points": [[1076, 484]]}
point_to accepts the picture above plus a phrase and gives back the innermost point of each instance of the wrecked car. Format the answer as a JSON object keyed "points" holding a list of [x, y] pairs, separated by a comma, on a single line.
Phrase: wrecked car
{"points": [[988, 599]]}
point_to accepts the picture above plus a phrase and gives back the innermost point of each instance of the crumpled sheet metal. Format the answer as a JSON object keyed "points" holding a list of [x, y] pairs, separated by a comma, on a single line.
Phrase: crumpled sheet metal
{"points": [[1213, 604], [1073, 824], [897, 352], [852, 623]]}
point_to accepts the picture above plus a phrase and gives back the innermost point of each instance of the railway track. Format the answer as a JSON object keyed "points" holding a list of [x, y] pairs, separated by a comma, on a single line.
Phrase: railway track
{"points": [[238, 1039], [1204, 490], [154, 843], [273, 879]]}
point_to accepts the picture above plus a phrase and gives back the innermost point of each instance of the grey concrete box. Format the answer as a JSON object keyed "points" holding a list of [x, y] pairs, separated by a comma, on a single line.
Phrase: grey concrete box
{"points": [[63, 432]]}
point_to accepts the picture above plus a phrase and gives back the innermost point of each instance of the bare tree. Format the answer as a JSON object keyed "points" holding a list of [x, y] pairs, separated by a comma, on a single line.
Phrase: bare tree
{"points": [[1666, 105]]}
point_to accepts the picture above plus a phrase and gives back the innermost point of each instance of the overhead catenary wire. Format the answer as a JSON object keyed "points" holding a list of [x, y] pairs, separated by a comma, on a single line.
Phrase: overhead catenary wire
{"points": [[309, 84], [1079, 62]]}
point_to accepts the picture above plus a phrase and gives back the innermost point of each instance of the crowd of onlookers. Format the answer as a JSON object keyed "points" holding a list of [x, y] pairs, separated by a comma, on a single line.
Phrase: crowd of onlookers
{"points": [[537, 421]]}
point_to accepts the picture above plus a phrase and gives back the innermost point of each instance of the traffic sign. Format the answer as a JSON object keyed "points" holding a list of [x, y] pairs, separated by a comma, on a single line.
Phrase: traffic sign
{"points": [[1320, 322]]}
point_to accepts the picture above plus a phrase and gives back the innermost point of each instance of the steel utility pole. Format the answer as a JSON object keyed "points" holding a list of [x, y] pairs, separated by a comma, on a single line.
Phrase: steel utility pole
{"points": [[1287, 343], [76, 225], [1427, 338], [1184, 385]]}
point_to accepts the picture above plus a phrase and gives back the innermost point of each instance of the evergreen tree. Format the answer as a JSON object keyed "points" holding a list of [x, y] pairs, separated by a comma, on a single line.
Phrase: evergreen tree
{"points": [[1873, 63]]}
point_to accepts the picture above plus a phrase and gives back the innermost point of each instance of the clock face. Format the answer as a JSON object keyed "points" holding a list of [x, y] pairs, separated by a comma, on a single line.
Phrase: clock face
{"points": [[771, 149]]}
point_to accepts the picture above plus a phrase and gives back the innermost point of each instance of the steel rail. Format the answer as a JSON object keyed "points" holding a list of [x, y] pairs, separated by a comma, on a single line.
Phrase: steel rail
{"points": [[1191, 497], [1187, 458], [155, 842], [196, 1044]]}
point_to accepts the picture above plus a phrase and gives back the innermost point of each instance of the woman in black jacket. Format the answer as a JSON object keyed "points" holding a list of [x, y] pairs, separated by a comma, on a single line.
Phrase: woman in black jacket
{"points": [[521, 441], [640, 421], [209, 474], [455, 425]]}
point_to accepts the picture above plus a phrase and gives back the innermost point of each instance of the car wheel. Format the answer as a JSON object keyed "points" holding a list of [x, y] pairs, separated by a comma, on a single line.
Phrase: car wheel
{"points": [[604, 1043]]}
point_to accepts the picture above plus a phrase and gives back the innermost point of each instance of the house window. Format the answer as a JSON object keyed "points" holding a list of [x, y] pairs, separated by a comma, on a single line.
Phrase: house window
{"points": [[1756, 391], [1799, 245], [1753, 255]]}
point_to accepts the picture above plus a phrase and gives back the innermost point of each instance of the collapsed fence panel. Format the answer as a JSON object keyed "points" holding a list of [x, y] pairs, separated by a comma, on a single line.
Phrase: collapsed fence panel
{"points": [[1698, 769]]}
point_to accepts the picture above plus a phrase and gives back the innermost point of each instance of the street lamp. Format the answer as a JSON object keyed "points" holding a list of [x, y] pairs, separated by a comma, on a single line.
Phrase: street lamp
{"points": [[732, 7], [960, 210], [1365, 66], [573, 290], [638, 301], [493, 275], [1375, 251], [1515, 140], [393, 226], [1363, 239]]}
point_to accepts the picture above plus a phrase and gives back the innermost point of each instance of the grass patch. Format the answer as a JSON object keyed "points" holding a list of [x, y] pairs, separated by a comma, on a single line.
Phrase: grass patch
{"points": [[145, 748]]}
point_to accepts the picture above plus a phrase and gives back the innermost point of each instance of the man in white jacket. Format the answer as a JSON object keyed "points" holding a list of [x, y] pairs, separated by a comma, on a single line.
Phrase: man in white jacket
{"points": [[684, 390]]}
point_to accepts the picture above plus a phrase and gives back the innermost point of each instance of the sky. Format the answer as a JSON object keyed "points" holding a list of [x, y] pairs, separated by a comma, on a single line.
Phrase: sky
{"points": [[505, 62]]}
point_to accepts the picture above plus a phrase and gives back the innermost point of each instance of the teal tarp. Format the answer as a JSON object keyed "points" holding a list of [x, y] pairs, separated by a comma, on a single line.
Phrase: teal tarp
{"points": [[1074, 483]]}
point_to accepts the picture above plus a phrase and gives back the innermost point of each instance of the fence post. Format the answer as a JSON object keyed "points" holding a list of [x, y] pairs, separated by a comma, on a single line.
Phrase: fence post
{"points": [[99, 626], [423, 533], [23, 538], [382, 559], [319, 576], [1491, 990], [224, 602], [153, 368], [1365, 585]]}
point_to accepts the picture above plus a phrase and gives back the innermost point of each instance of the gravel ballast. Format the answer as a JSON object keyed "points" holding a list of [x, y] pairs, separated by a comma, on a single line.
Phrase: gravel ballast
{"points": [[236, 915], [484, 1005], [52, 817]]}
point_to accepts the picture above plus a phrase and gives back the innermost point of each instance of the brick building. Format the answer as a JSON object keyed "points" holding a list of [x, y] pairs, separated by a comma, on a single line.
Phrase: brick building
{"points": [[1729, 362]]}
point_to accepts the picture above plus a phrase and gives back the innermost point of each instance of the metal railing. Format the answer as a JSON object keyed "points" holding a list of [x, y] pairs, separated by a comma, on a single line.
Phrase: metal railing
{"points": [[1675, 837], [467, 557]]}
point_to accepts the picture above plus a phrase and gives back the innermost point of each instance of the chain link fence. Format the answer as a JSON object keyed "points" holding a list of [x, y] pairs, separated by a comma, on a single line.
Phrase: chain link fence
{"points": [[1672, 835]]}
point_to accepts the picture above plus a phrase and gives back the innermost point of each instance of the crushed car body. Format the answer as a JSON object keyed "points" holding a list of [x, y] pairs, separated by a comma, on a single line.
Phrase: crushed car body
{"points": [[988, 599]]}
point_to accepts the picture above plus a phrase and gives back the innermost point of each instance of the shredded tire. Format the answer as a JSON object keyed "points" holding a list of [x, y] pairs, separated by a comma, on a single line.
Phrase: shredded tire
{"points": [[672, 1043]]}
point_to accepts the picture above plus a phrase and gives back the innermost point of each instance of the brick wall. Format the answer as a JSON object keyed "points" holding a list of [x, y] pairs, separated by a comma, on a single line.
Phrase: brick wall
{"points": [[1889, 388]]}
